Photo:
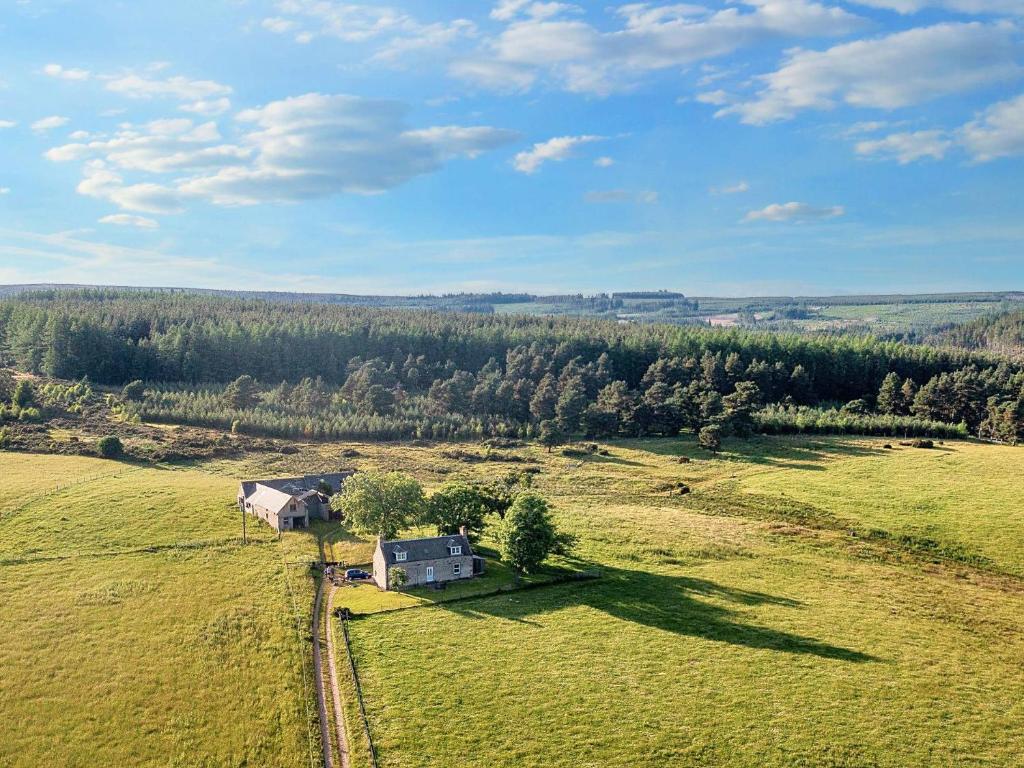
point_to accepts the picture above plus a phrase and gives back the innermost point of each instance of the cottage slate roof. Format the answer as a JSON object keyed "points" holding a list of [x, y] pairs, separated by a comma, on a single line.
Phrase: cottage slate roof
{"points": [[295, 485], [434, 548], [270, 498]]}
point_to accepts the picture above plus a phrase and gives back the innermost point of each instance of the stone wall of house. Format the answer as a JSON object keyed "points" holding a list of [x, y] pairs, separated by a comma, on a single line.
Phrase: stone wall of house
{"points": [[443, 569]]}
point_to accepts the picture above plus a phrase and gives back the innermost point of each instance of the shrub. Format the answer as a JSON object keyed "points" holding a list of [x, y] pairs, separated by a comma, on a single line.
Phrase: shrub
{"points": [[109, 447]]}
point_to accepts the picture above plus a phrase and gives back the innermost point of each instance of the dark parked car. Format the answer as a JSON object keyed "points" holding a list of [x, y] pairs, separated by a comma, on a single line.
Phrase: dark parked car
{"points": [[355, 574]]}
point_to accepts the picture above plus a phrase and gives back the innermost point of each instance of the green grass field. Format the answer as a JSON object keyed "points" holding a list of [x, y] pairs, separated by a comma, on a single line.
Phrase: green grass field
{"points": [[786, 612], [742, 624], [137, 630]]}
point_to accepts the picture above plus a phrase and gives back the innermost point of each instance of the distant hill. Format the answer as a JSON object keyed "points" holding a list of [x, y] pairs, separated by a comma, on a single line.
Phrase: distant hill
{"points": [[1002, 333]]}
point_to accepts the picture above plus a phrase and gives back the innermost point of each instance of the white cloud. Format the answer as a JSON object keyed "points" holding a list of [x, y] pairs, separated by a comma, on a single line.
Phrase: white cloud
{"points": [[997, 132], [1007, 7], [907, 147], [577, 56], [208, 107], [718, 98], [5, 190], [161, 146], [180, 88], [556, 149], [63, 73], [128, 220], [100, 182], [49, 123], [297, 148], [604, 162], [643, 196], [731, 189], [794, 212], [278, 25], [398, 33], [897, 70], [7, 124]]}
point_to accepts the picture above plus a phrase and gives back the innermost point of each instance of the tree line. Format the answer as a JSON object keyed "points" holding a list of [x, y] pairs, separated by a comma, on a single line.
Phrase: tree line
{"points": [[328, 371]]}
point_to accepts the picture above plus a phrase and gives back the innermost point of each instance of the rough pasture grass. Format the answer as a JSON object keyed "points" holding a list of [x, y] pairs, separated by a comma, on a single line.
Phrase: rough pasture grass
{"points": [[723, 632], [963, 496], [185, 655]]}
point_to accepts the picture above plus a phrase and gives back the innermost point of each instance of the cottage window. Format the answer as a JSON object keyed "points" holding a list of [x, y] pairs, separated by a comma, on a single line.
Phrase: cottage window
{"points": [[400, 556], [455, 549], [292, 507], [456, 569]]}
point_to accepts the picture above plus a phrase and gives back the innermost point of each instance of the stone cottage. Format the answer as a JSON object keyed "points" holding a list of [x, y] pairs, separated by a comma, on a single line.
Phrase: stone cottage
{"points": [[425, 561]]}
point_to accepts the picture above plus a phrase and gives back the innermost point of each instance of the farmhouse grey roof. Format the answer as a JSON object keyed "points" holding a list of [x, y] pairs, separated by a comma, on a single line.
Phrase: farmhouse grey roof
{"points": [[434, 548], [271, 499], [296, 486]]}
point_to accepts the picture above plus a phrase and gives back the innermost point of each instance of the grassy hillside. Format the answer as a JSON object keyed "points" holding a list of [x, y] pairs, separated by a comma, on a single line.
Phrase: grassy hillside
{"points": [[742, 624], [137, 631]]}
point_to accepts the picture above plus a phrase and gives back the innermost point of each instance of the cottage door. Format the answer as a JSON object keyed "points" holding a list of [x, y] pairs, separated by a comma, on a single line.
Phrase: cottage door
{"points": [[430, 573]]}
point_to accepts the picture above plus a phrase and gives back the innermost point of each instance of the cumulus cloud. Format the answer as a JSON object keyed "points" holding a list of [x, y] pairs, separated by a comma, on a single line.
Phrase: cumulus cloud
{"points": [[997, 7], [316, 145], [5, 190], [604, 162], [539, 40], [129, 220], [794, 212], [907, 147], [997, 132], [278, 25], [161, 146], [557, 149], [397, 32], [302, 147], [49, 123], [897, 70], [7, 124], [208, 107], [63, 73], [181, 88]]}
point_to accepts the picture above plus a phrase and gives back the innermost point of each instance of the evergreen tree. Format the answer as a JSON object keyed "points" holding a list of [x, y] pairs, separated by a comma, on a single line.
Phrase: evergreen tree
{"points": [[242, 393], [550, 434], [571, 404], [545, 399], [890, 395], [710, 438]]}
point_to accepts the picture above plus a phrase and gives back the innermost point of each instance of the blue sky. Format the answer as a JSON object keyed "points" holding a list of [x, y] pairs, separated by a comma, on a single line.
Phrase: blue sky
{"points": [[754, 147]]}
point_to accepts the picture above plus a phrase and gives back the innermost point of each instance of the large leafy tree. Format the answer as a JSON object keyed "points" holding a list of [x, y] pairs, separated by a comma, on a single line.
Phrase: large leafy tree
{"points": [[527, 535], [379, 503], [458, 504]]}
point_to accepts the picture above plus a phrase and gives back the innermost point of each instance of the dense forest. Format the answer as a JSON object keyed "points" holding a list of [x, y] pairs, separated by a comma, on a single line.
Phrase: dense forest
{"points": [[325, 370], [1002, 333]]}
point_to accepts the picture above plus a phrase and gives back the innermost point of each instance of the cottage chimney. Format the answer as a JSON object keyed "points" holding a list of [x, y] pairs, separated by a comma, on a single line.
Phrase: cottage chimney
{"points": [[462, 530]]}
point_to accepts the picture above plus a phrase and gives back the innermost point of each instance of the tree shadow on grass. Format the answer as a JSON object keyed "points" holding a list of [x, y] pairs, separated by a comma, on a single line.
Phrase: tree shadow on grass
{"points": [[682, 605]]}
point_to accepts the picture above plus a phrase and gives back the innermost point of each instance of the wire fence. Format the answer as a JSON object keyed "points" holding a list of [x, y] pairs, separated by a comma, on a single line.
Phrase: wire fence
{"points": [[359, 692]]}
